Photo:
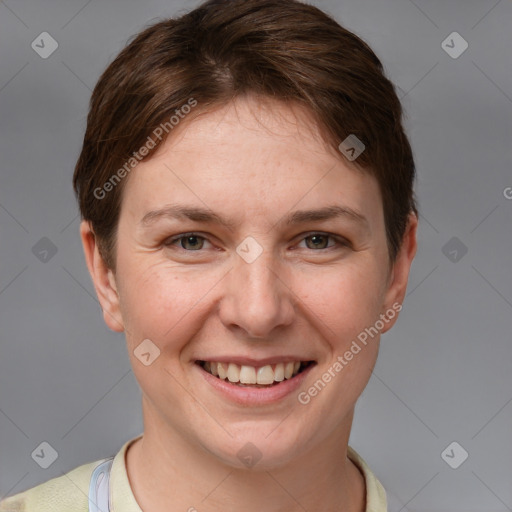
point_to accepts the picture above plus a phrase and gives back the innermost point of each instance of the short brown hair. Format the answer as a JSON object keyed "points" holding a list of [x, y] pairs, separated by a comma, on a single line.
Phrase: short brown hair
{"points": [[283, 49]]}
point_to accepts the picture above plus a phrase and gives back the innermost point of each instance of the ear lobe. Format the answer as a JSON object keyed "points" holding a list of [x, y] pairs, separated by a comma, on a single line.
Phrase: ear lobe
{"points": [[399, 277], [103, 279]]}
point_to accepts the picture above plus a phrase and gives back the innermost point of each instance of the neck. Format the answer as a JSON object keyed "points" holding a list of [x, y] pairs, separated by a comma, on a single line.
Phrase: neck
{"points": [[169, 473]]}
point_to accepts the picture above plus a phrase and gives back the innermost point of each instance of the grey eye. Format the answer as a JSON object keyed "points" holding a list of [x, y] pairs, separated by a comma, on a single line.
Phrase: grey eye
{"points": [[318, 241], [193, 242]]}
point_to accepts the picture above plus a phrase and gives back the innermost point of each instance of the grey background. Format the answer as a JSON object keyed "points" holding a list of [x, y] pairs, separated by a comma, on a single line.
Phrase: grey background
{"points": [[444, 372]]}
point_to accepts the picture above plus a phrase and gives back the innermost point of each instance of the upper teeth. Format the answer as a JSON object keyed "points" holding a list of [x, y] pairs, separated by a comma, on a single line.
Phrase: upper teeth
{"points": [[252, 375]]}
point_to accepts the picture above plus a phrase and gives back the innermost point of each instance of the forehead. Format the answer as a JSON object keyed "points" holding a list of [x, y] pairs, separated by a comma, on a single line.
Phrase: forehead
{"points": [[249, 125], [257, 156]]}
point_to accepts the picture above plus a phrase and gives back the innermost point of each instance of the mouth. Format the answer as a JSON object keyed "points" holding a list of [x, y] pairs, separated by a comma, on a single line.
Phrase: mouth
{"points": [[267, 376]]}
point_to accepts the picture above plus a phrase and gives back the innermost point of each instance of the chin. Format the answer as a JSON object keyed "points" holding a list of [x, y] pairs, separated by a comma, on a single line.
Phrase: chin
{"points": [[258, 447]]}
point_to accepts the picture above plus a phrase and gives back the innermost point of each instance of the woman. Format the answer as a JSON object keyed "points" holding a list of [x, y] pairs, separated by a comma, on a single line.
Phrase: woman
{"points": [[249, 222]]}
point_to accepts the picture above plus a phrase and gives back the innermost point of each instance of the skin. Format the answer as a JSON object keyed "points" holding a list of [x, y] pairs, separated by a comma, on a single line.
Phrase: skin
{"points": [[255, 162]]}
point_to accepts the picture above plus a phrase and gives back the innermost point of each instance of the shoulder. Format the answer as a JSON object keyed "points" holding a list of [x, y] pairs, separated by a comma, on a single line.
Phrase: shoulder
{"points": [[67, 493]]}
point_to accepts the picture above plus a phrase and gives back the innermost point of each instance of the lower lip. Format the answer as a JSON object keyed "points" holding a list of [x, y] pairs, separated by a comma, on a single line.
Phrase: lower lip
{"points": [[255, 396]]}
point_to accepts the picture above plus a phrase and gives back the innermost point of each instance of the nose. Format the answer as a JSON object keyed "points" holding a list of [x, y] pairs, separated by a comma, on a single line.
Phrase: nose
{"points": [[257, 297]]}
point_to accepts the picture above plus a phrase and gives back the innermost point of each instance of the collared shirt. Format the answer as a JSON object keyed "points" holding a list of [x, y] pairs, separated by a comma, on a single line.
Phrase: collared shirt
{"points": [[69, 493]]}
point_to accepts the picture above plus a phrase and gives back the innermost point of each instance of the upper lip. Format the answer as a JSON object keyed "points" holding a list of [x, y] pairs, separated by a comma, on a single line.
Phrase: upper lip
{"points": [[250, 361]]}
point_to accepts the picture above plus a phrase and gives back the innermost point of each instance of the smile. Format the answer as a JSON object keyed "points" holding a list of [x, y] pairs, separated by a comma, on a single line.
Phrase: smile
{"points": [[263, 376]]}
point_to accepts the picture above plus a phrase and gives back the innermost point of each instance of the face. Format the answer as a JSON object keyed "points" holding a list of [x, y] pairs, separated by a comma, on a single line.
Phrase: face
{"points": [[246, 241]]}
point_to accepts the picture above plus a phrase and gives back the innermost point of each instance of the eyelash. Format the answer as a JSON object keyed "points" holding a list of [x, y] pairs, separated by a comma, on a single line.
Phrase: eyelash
{"points": [[340, 241]]}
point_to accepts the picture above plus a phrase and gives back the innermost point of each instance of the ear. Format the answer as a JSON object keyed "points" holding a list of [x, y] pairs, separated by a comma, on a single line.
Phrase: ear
{"points": [[103, 279], [399, 275]]}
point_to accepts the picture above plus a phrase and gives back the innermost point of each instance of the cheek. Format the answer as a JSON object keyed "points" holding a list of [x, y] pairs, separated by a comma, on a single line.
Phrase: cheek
{"points": [[344, 301], [163, 303]]}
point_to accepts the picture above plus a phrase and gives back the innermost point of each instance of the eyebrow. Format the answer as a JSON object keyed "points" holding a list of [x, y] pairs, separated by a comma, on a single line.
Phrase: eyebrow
{"points": [[198, 214]]}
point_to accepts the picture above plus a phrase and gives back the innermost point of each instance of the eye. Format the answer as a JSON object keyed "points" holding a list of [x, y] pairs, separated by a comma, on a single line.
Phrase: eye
{"points": [[320, 241], [193, 242], [188, 241]]}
